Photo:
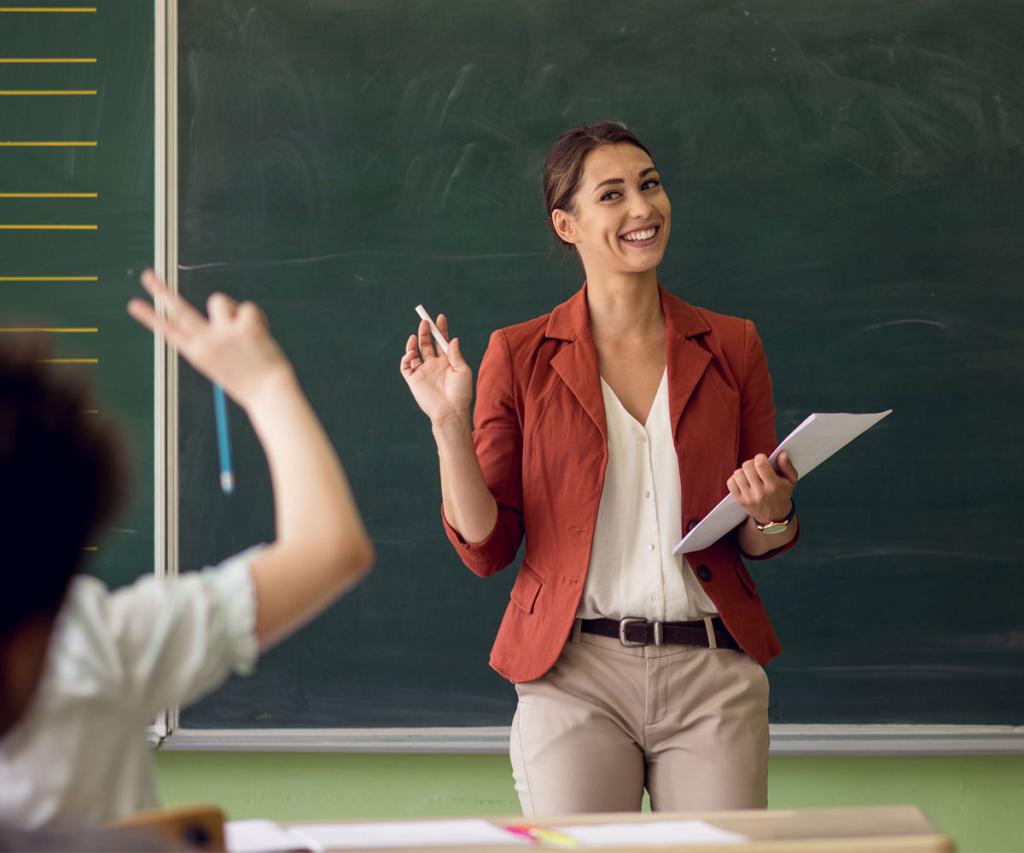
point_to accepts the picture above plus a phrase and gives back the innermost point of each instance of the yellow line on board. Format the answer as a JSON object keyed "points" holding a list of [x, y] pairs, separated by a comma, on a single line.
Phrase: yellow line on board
{"points": [[10, 144], [68, 330], [47, 8], [91, 411], [31, 59], [47, 92], [49, 227], [69, 360], [25, 278], [49, 195], [90, 548]]}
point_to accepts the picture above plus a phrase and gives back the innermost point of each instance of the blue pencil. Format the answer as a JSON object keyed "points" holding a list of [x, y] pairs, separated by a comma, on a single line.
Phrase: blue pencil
{"points": [[220, 411]]}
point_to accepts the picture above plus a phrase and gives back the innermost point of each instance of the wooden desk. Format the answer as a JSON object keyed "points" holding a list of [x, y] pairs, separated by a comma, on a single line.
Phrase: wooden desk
{"points": [[872, 829]]}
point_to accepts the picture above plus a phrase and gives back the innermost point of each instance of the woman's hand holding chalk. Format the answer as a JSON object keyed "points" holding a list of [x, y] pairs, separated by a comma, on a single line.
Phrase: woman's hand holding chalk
{"points": [[437, 374], [436, 332]]}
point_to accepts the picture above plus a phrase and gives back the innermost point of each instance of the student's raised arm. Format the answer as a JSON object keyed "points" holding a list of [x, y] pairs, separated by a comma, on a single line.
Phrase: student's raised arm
{"points": [[322, 548]]}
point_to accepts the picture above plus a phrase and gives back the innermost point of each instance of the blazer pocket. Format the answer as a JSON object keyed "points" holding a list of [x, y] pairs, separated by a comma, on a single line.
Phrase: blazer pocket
{"points": [[526, 589], [745, 578]]}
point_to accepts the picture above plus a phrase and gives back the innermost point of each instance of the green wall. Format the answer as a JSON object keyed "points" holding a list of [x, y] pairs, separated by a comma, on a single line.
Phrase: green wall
{"points": [[978, 800]]}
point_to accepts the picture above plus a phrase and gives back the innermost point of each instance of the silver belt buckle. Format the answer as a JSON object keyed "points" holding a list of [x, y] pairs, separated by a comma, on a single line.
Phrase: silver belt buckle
{"points": [[633, 620]]}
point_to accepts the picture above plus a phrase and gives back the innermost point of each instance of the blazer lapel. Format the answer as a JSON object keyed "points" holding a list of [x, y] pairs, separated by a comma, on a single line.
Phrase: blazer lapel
{"points": [[576, 364], [685, 359]]}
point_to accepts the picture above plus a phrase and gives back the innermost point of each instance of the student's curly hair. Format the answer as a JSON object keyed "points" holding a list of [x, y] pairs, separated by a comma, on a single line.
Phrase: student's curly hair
{"points": [[61, 474]]}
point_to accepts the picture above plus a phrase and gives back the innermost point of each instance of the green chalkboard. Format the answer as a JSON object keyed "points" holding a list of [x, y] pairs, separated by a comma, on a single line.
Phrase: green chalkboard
{"points": [[848, 174], [76, 219]]}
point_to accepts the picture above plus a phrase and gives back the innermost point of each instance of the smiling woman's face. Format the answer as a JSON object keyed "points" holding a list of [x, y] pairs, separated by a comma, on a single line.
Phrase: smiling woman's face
{"points": [[621, 216]]}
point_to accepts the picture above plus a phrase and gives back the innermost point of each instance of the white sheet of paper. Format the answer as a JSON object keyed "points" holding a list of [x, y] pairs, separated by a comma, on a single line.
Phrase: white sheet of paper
{"points": [[661, 833], [427, 833], [810, 444], [261, 836]]}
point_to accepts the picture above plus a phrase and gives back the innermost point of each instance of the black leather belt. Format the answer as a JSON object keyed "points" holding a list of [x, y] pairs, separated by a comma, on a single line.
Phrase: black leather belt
{"points": [[639, 632]]}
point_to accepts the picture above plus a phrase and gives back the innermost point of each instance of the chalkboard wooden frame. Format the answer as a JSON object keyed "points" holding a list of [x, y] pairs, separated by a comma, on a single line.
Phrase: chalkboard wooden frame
{"points": [[164, 364], [166, 733], [785, 740]]}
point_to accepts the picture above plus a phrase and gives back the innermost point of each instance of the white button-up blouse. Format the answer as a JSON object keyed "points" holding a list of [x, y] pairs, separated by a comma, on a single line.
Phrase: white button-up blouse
{"points": [[632, 570]]}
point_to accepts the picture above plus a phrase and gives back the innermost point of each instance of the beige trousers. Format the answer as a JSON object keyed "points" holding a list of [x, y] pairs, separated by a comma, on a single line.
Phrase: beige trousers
{"points": [[689, 724]]}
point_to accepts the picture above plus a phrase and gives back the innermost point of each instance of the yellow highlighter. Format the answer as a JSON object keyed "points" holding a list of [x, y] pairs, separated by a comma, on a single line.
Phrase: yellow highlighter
{"points": [[544, 836], [555, 839]]}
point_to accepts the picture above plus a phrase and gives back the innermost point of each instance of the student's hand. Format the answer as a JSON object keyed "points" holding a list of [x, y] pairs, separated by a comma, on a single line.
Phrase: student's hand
{"points": [[441, 384], [233, 347], [764, 494]]}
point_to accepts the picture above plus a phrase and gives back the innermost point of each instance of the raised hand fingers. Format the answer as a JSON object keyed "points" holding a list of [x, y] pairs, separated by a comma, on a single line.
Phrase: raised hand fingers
{"points": [[142, 311], [411, 360], [251, 314], [179, 313], [455, 357], [426, 342], [442, 327], [411, 349], [221, 308]]}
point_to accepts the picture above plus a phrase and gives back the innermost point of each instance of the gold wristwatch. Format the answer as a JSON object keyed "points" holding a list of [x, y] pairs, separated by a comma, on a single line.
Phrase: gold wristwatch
{"points": [[770, 528]]}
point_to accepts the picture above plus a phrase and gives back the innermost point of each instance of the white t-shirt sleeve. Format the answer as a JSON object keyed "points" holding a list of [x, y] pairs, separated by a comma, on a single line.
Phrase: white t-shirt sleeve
{"points": [[166, 641]]}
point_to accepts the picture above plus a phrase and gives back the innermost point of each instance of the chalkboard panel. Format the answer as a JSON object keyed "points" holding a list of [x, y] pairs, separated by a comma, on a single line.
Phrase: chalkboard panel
{"points": [[76, 206], [849, 175]]}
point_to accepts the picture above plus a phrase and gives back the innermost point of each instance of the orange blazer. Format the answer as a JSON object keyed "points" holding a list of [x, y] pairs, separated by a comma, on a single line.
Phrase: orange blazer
{"points": [[541, 438]]}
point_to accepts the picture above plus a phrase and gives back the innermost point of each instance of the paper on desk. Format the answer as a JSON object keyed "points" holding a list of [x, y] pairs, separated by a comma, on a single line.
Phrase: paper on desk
{"points": [[659, 833], [810, 444], [424, 833], [261, 836]]}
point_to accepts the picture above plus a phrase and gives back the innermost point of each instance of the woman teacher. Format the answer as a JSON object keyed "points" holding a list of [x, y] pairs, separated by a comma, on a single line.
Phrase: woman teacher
{"points": [[603, 430]]}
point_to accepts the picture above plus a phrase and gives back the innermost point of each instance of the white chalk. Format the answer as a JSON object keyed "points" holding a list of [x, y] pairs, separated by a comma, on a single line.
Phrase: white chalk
{"points": [[436, 332]]}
